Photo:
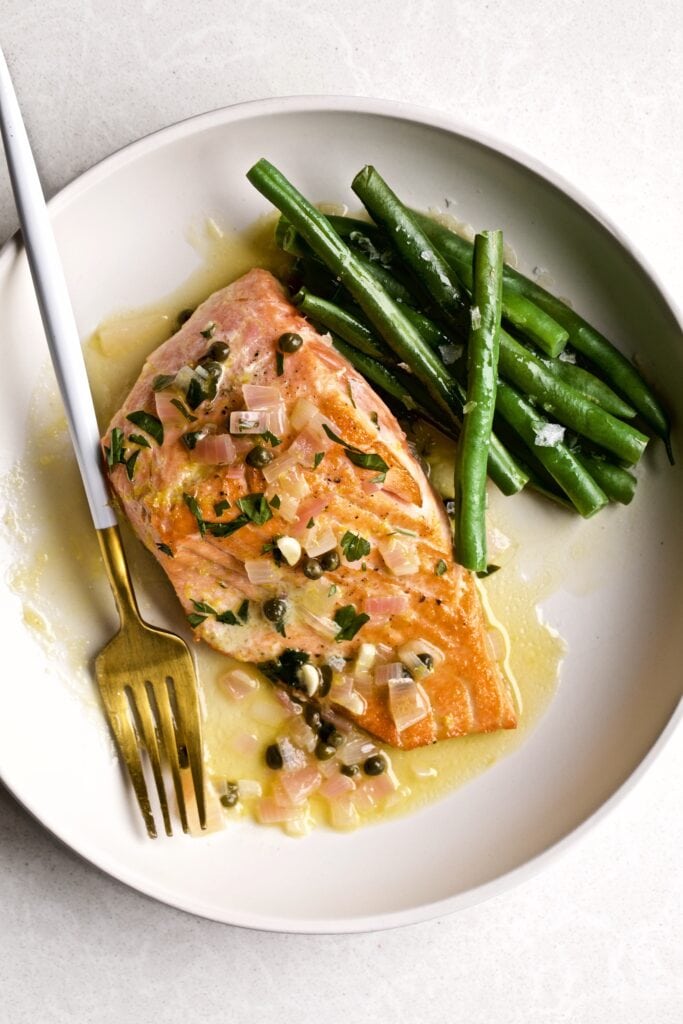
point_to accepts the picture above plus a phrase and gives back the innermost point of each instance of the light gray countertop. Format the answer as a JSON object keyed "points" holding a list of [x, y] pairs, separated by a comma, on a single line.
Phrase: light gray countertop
{"points": [[592, 89]]}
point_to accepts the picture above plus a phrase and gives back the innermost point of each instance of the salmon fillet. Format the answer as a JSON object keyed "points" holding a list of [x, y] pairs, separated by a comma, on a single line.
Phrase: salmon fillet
{"points": [[213, 521]]}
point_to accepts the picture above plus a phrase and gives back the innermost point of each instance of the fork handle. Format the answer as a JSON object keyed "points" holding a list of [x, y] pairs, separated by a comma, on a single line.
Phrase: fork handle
{"points": [[114, 560], [54, 303]]}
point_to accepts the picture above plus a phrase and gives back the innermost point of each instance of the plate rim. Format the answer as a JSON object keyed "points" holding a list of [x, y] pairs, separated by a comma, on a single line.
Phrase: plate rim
{"points": [[419, 115]]}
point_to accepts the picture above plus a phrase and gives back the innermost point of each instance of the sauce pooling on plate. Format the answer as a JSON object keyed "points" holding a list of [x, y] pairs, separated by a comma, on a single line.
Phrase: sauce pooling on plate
{"points": [[248, 723]]}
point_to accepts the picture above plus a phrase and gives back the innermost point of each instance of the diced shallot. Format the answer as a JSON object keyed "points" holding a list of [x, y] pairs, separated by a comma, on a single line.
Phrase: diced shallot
{"points": [[262, 571], [246, 743], [307, 444], [357, 748], [400, 555], [270, 812], [249, 788], [318, 540], [259, 396], [389, 672], [302, 412], [246, 422], [308, 510], [292, 757], [342, 692], [408, 703], [336, 786], [381, 786], [322, 625], [239, 683], [215, 450], [236, 473], [343, 813], [173, 420], [290, 706], [281, 465], [383, 607], [289, 508], [298, 785], [422, 646]]}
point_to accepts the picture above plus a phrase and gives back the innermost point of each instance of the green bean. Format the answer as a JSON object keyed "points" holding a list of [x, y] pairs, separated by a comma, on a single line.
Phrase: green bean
{"points": [[617, 369], [342, 323], [381, 310], [617, 483], [482, 374], [564, 467], [590, 386], [415, 248], [566, 404]]}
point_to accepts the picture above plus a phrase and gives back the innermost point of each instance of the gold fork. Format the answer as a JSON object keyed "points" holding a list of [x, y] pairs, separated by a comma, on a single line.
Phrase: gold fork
{"points": [[146, 676]]}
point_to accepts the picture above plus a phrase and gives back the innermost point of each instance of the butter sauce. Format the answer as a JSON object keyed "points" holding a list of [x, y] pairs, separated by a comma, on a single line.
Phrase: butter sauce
{"points": [[67, 605]]}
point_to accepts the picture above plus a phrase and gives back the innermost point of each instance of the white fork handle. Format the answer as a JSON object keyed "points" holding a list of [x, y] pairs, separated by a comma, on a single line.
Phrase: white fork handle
{"points": [[53, 300]]}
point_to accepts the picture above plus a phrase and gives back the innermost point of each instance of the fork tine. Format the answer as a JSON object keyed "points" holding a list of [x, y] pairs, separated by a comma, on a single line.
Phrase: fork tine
{"points": [[161, 700], [118, 714], [143, 713], [189, 726]]}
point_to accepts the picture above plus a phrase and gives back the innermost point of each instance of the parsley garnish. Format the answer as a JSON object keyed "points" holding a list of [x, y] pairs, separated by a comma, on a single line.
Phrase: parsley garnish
{"points": [[332, 591], [243, 610], [151, 424], [349, 622], [183, 409], [279, 627], [270, 437], [375, 418], [202, 606], [116, 453], [196, 620], [366, 460], [279, 363], [130, 464], [196, 512], [440, 567], [162, 381], [310, 523], [228, 618], [317, 459], [221, 506], [166, 550], [191, 437], [139, 439], [256, 508], [275, 501], [354, 546]]}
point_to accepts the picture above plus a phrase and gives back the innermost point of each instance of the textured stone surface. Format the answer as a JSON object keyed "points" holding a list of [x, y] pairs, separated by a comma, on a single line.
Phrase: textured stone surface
{"points": [[591, 89]]}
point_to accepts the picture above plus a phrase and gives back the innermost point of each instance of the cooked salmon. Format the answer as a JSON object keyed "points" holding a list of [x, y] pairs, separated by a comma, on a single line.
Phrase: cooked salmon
{"points": [[279, 495]]}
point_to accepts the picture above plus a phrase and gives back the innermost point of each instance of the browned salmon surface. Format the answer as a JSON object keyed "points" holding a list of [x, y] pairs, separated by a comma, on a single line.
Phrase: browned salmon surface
{"points": [[223, 557]]}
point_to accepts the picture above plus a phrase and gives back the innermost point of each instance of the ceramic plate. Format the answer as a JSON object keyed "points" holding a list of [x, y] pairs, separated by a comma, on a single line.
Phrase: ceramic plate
{"points": [[121, 229]]}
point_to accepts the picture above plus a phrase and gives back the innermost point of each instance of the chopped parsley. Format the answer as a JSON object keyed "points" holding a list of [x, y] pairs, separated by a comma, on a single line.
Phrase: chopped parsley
{"points": [[275, 501], [220, 507], [366, 460], [279, 363], [151, 424], [196, 620], [130, 464], [139, 439], [166, 549], [243, 610], [354, 546], [256, 508], [375, 418], [310, 523], [184, 410], [162, 381], [440, 567], [227, 618], [332, 591], [279, 627], [270, 437], [196, 512], [317, 459], [349, 622], [202, 606], [116, 453]]}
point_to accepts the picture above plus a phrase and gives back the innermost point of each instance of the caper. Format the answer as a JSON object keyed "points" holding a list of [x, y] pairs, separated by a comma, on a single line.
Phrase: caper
{"points": [[184, 315], [326, 673], [259, 456], [211, 367], [374, 765], [219, 350], [289, 342], [427, 660], [274, 757], [324, 751], [330, 561], [350, 770], [328, 734], [231, 795], [313, 569], [312, 716], [275, 609]]}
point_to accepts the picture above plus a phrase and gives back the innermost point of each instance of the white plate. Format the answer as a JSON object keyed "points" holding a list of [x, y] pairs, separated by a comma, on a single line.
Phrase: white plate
{"points": [[121, 231]]}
